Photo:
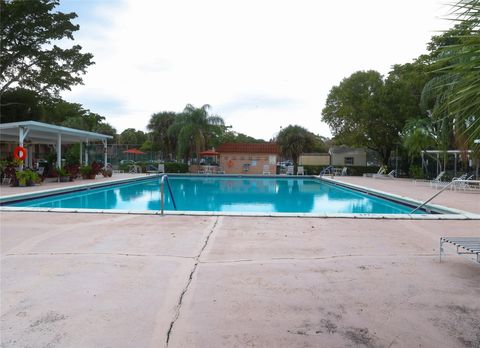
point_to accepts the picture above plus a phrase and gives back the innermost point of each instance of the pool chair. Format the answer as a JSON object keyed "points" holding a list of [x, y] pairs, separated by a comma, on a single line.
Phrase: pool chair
{"points": [[465, 245], [220, 170], [158, 170], [300, 170], [266, 169], [290, 170], [344, 171], [390, 175], [437, 180]]}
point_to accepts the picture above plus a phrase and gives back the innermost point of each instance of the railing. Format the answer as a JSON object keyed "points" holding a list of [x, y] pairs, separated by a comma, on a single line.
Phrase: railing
{"points": [[436, 194], [325, 170], [162, 192]]}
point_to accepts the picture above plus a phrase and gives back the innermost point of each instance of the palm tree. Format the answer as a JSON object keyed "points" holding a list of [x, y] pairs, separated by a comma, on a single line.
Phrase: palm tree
{"points": [[159, 124], [458, 69], [193, 129]]}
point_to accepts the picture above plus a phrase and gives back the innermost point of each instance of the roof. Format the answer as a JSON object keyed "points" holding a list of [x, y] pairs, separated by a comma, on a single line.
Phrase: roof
{"points": [[44, 133], [208, 153], [270, 148], [345, 149]]}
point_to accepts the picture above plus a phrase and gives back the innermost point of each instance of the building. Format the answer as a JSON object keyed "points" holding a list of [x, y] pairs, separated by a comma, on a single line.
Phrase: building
{"points": [[248, 158], [314, 159], [346, 156]]}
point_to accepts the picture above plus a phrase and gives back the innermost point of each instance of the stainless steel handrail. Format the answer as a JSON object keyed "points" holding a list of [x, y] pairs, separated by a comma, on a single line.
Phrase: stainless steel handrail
{"points": [[436, 194], [162, 192]]}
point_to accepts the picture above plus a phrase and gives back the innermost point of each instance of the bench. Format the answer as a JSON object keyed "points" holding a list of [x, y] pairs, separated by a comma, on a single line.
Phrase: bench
{"points": [[469, 245]]}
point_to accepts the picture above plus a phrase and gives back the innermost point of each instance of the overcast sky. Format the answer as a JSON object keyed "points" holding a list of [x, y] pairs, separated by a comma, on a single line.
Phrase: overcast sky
{"points": [[260, 64]]}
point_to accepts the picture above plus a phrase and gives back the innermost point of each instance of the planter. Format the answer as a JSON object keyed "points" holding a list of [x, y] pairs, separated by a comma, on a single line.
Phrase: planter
{"points": [[64, 178]]}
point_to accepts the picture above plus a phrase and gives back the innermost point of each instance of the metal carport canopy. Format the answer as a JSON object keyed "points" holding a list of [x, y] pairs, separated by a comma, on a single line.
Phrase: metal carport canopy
{"points": [[44, 133], [35, 132]]}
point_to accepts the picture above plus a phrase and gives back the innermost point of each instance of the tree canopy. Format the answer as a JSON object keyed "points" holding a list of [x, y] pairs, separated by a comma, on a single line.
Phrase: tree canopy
{"points": [[193, 128], [30, 58], [295, 140], [367, 110]]}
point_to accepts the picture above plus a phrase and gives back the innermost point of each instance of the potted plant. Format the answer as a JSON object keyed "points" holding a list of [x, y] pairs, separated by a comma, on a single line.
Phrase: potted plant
{"points": [[73, 170], [63, 175], [107, 172], [27, 178], [86, 172]]}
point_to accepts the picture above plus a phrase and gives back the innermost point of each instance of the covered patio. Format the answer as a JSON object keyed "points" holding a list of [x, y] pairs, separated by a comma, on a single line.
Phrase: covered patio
{"points": [[29, 133]]}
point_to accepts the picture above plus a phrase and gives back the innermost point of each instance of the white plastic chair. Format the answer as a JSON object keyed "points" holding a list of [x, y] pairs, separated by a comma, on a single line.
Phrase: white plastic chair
{"points": [[300, 170], [266, 169], [290, 170]]}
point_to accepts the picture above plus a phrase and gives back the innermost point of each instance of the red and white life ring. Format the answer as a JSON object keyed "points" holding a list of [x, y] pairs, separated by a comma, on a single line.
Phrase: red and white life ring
{"points": [[20, 153], [230, 164]]}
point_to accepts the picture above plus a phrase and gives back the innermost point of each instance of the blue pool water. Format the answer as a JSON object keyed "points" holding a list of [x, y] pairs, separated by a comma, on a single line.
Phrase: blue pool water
{"points": [[226, 194]]}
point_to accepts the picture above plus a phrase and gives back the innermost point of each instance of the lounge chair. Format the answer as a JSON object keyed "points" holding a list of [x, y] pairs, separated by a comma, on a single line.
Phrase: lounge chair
{"points": [[266, 169], [390, 175], [290, 170], [344, 171], [158, 170], [437, 180], [469, 245], [300, 170], [220, 170]]}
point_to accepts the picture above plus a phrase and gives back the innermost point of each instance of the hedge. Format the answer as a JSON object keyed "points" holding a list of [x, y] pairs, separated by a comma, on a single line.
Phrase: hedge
{"points": [[170, 167], [176, 167]]}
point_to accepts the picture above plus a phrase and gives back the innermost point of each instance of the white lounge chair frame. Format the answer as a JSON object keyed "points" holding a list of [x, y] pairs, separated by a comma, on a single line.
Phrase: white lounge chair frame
{"points": [[469, 245]]}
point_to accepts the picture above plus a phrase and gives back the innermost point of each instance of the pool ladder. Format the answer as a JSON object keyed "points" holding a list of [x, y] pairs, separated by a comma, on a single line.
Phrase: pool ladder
{"points": [[164, 179]]}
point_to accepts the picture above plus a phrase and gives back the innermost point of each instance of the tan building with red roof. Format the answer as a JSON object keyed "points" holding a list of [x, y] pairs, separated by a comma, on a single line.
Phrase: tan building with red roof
{"points": [[248, 158]]}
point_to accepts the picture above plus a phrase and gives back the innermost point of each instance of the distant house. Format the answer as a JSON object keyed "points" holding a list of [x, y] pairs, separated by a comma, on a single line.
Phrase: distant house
{"points": [[314, 159], [248, 158], [347, 156]]}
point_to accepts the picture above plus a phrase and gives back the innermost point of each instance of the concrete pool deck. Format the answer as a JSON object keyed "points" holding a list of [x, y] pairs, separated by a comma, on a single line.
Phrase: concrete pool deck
{"points": [[85, 280]]}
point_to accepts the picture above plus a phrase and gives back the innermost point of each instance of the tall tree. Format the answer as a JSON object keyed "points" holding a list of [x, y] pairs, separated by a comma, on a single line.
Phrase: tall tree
{"points": [[132, 136], [455, 87], [194, 128], [29, 56], [357, 116], [294, 140], [368, 111], [162, 139]]}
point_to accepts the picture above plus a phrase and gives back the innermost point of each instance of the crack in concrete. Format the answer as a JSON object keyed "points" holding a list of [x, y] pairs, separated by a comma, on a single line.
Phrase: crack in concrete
{"points": [[185, 289]]}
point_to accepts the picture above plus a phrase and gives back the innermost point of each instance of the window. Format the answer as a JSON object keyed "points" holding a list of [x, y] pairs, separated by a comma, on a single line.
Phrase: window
{"points": [[349, 161]]}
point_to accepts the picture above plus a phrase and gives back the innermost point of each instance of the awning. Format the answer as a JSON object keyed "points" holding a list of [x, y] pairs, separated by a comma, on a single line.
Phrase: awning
{"points": [[134, 151], [32, 132], [209, 153], [35, 132]]}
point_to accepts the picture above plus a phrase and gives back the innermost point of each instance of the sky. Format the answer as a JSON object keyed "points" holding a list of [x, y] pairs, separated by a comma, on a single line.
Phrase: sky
{"points": [[260, 64]]}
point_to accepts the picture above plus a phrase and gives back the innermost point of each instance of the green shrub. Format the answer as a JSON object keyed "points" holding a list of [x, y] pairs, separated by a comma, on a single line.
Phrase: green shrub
{"points": [[27, 177], [416, 172], [176, 167]]}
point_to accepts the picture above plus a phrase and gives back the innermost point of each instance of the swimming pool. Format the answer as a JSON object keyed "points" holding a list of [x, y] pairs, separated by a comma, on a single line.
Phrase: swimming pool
{"points": [[226, 194]]}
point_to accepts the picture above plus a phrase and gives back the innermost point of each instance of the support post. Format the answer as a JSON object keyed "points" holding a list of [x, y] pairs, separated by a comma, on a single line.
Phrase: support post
{"points": [[104, 141], [455, 166], [81, 153], [59, 150], [86, 153]]}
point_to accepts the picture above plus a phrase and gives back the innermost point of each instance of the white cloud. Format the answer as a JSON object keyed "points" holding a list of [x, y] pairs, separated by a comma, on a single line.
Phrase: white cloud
{"points": [[275, 60]]}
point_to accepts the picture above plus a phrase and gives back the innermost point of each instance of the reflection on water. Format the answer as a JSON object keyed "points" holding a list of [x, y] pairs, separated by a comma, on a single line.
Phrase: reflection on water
{"points": [[227, 194]]}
